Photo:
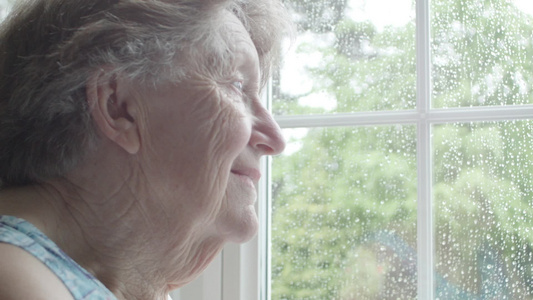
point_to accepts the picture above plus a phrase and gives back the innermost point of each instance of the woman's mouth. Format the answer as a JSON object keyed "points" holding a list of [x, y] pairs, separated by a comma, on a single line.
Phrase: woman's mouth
{"points": [[249, 176]]}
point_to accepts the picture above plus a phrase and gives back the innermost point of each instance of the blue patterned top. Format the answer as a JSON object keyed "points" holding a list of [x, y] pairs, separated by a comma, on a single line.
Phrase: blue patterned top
{"points": [[81, 284]]}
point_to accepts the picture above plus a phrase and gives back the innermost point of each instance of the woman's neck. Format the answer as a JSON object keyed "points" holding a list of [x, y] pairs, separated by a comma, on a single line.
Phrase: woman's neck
{"points": [[113, 237]]}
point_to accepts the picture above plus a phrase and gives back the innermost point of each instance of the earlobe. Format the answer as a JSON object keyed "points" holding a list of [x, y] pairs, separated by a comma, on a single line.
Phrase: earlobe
{"points": [[111, 106], [129, 139]]}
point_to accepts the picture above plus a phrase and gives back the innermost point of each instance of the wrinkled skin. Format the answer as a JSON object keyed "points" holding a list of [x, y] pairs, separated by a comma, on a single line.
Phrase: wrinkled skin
{"points": [[198, 160], [203, 143], [172, 181]]}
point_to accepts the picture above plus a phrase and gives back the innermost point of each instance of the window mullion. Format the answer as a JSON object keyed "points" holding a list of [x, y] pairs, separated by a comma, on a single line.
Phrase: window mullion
{"points": [[425, 212]]}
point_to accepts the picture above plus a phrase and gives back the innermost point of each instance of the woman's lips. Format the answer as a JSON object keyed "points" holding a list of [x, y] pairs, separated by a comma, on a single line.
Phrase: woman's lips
{"points": [[253, 174], [248, 179], [248, 176]]}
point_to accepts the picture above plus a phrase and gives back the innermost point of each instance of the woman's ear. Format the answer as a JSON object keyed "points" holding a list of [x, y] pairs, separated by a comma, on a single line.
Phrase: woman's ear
{"points": [[114, 110]]}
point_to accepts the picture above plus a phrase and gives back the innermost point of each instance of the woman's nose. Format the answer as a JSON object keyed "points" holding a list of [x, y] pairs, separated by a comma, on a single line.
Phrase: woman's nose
{"points": [[266, 134]]}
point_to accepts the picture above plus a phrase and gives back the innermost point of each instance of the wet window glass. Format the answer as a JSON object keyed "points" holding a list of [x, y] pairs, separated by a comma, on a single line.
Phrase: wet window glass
{"points": [[344, 214], [483, 182], [482, 52], [348, 54], [346, 199]]}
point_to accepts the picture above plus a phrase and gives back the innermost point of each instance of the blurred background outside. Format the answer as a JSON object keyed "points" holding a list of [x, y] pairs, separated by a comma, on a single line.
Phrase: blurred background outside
{"points": [[344, 208]]}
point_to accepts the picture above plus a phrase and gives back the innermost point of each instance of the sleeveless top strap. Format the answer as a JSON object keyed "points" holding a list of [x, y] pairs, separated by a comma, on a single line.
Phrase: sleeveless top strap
{"points": [[81, 284]]}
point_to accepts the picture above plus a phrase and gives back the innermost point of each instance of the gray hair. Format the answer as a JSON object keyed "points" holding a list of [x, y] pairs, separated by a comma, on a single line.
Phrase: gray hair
{"points": [[50, 48]]}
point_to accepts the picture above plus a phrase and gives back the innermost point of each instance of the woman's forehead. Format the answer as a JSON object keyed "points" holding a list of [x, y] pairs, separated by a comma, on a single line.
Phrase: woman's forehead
{"points": [[240, 41]]}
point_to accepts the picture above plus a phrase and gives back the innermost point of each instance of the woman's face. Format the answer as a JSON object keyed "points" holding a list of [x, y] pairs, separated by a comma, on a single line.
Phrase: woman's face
{"points": [[202, 142]]}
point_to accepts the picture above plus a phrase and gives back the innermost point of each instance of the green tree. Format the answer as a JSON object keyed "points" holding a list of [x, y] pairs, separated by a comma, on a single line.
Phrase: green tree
{"points": [[347, 198]]}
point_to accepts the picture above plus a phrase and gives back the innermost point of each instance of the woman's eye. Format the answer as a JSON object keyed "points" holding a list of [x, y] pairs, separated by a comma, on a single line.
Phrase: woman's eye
{"points": [[238, 85]]}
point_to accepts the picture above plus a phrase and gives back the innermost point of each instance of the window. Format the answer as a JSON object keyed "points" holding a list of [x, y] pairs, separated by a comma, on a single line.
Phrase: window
{"points": [[408, 172]]}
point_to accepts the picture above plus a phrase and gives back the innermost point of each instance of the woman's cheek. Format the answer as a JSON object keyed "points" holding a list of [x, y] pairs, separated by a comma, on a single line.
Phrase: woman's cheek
{"points": [[233, 123]]}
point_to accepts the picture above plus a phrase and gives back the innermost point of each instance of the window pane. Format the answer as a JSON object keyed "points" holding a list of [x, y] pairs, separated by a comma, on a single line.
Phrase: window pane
{"points": [[348, 56], [344, 214], [482, 52], [483, 190]]}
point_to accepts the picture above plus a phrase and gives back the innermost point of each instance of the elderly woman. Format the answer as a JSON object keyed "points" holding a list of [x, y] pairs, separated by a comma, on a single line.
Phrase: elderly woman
{"points": [[130, 138]]}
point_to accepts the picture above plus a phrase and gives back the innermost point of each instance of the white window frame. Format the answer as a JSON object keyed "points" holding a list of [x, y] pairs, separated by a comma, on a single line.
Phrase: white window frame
{"points": [[244, 270]]}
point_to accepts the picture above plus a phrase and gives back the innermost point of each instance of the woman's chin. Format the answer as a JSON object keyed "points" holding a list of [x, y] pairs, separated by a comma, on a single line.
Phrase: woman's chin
{"points": [[243, 230], [247, 235]]}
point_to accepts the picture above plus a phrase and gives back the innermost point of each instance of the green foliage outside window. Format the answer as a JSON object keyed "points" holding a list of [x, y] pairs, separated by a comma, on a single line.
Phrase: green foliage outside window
{"points": [[345, 202]]}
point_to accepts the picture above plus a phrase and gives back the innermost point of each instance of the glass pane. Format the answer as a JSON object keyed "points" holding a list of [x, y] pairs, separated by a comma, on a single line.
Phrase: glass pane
{"points": [[483, 193], [348, 56], [344, 214], [482, 52]]}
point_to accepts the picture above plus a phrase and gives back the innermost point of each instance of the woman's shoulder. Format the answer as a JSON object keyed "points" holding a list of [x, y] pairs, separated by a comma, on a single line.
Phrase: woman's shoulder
{"points": [[31, 254], [25, 277]]}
